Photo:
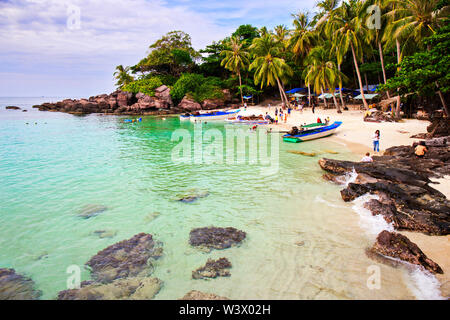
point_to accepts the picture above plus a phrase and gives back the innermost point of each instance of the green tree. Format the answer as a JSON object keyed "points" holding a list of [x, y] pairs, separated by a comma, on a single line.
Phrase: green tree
{"points": [[426, 72], [269, 68], [236, 58], [347, 31], [122, 76], [322, 73]]}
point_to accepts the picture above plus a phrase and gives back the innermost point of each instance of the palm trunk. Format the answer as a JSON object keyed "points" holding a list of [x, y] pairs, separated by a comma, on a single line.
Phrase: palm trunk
{"points": [[399, 59], [359, 77], [324, 100], [365, 75], [380, 50], [309, 95], [240, 87], [441, 96], [281, 91], [284, 93], [336, 104], [340, 88]]}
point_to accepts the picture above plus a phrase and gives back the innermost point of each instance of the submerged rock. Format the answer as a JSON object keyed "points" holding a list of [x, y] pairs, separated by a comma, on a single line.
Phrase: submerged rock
{"points": [[398, 246], [12, 108], [14, 286], [91, 210], [213, 269], [192, 196], [105, 233], [216, 238], [134, 288], [198, 295], [127, 258]]}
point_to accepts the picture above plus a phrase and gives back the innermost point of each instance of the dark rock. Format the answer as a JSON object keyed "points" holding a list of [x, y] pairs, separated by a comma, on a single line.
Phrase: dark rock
{"points": [[213, 269], [12, 108], [398, 246], [198, 295], [134, 288], [192, 196], [216, 238], [14, 286], [188, 104], [127, 258], [91, 210]]}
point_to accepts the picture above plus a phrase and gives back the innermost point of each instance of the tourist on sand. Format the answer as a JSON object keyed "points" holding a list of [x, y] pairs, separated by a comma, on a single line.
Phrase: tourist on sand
{"points": [[319, 120], [376, 141], [301, 107], [276, 118], [367, 158], [276, 111], [285, 117], [421, 149], [289, 111]]}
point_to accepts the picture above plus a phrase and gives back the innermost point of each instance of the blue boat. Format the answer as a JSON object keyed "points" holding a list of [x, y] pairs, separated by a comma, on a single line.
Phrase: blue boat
{"points": [[216, 115], [314, 133]]}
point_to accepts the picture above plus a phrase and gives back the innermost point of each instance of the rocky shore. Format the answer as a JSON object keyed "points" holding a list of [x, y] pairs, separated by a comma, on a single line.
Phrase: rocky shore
{"points": [[122, 102], [406, 198]]}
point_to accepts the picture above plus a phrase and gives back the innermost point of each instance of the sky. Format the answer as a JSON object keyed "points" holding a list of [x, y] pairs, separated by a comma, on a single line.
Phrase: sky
{"points": [[70, 48]]}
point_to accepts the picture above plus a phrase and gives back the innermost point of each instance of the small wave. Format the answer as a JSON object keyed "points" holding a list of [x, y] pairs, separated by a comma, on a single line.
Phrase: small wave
{"points": [[349, 177], [423, 284], [373, 225], [319, 199]]}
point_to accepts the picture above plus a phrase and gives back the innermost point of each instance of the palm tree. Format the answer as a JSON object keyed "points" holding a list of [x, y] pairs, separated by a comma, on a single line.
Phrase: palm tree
{"points": [[411, 22], [302, 39], [269, 68], [346, 30], [236, 59], [122, 76], [322, 72]]}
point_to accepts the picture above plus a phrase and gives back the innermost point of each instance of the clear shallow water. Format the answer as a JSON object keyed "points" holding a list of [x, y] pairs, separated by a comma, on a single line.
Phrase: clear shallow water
{"points": [[303, 241]]}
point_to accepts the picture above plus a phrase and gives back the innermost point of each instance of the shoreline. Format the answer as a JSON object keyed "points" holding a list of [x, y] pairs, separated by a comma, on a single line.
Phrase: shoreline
{"points": [[356, 136]]}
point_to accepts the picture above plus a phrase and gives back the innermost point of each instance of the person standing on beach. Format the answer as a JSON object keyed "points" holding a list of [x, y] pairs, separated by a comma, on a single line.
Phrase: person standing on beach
{"points": [[376, 141], [276, 112], [285, 117]]}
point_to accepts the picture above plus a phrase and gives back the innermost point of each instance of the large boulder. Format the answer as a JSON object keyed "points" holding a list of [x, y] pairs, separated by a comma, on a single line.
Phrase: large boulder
{"points": [[398, 246], [124, 98], [134, 288], [127, 258], [163, 95], [14, 286], [216, 238], [210, 104], [188, 104]]}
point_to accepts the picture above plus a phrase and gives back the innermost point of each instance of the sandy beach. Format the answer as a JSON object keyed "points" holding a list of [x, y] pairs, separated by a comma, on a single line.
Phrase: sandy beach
{"points": [[357, 136]]}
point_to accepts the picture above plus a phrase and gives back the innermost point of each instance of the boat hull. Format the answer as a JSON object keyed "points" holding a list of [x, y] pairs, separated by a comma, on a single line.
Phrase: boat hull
{"points": [[219, 115], [313, 134]]}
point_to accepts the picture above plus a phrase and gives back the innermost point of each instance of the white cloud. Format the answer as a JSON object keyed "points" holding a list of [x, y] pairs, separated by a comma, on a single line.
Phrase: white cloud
{"points": [[35, 39]]}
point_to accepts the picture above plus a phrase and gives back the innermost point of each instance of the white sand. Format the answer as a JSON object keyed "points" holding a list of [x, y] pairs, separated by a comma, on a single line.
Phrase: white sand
{"points": [[354, 132]]}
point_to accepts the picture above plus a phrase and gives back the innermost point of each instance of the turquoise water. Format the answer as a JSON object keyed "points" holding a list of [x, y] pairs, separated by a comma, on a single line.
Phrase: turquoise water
{"points": [[302, 241]]}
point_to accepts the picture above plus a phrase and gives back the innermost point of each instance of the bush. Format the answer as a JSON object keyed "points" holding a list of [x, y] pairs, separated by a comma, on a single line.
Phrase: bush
{"points": [[146, 86]]}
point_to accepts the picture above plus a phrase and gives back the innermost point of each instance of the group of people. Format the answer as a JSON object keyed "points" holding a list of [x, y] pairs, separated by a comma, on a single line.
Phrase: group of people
{"points": [[420, 150]]}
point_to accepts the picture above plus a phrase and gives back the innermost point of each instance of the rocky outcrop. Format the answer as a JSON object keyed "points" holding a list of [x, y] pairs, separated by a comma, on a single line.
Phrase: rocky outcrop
{"points": [[12, 108], [213, 269], [134, 288], [187, 104], [402, 181], [379, 116], [398, 246], [118, 102], [198, 295], [14, 286], [216, 238], [127, 258]]}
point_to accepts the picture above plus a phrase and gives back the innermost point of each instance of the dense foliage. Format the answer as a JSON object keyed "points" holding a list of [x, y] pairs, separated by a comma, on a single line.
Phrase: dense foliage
{"points": [[334, 48]]}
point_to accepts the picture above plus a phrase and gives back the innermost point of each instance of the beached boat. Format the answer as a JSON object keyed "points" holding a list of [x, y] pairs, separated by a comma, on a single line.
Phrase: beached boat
{"points": [[243, 120], [312, 133], [208, 116]]}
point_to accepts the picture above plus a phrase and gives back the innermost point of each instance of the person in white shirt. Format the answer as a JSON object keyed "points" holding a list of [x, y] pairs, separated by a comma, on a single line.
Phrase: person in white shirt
{"points": [[376, 141], [367, 158]]}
